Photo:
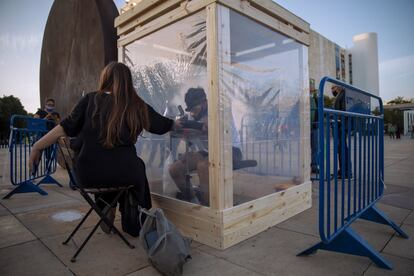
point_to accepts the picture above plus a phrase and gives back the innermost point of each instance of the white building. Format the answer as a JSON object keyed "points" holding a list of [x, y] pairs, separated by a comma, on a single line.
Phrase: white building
{"points": [[357, 66], [365, 62]]}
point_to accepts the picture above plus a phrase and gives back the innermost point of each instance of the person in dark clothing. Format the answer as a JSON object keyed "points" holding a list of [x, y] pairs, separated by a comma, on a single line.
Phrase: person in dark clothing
{"points": [[339, 93], [49, 112], [397, 132], [314, 131], [109, 122]]}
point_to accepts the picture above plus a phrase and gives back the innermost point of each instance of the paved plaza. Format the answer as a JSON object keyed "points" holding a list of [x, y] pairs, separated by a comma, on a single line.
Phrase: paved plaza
{"points": [[32, 228]]}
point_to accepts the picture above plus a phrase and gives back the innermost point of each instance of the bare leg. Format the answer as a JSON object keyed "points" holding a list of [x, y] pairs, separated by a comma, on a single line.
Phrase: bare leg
{"points": [[179, 170]]}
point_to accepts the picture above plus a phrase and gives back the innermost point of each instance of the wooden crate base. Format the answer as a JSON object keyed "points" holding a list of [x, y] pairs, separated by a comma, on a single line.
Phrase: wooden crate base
{"points": [[224, 228]]}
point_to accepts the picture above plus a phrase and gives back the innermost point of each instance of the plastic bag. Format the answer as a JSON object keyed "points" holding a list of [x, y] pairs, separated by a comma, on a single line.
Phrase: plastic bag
{"points": [[167, 249]]}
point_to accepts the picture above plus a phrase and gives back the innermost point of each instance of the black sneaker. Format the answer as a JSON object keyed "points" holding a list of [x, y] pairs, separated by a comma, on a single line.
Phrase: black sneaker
{"points": [[345, 176]]}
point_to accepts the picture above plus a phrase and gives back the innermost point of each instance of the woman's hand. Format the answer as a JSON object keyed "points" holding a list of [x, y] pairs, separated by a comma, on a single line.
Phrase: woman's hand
{"points": [[34, 158], [177, 124]]}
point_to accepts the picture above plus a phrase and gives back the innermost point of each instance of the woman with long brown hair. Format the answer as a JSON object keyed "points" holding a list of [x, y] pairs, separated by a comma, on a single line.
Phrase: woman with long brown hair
{"points": [[109, 122]]}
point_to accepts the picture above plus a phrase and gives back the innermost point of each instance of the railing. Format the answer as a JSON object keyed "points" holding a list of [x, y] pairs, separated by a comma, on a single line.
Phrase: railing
{"points": [[24, 132], [351, 170]]}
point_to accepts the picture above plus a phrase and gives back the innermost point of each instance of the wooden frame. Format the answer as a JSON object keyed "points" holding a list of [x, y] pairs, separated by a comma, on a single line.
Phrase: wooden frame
{"points": [[222, 225]]}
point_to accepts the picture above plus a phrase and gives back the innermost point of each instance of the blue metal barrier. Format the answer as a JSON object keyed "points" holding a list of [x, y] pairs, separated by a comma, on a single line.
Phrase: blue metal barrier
{"points": [[24, 132], [349, 189]]}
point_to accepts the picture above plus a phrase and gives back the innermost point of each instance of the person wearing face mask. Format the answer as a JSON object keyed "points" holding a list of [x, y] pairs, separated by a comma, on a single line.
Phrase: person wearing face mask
{"points": [[49, 112]]}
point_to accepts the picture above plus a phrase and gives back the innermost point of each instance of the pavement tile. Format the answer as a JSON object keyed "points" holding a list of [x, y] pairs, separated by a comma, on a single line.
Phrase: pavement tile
{"points": [[56, 221], [410, 219], [392, 189], [69, 192], [402, 247], [377, 235], [31, 258], [13, 232], [202, 264], [396, 214], [103, 255], [3, 211], [20, 203], [402, 267], [305, 222], [401, 199], [147, 271], [273, 252]]}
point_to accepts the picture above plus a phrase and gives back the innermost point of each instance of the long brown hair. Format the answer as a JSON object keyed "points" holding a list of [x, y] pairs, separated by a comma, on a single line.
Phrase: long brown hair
{"points": [[128, 109]]}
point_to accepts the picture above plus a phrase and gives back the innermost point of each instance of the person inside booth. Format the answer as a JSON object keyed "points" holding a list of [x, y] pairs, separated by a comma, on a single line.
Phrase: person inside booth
{"points": [[195, 159]]}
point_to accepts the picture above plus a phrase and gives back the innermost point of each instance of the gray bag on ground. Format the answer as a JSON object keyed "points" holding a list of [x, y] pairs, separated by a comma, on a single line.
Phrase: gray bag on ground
{"points": [[167, 249]]}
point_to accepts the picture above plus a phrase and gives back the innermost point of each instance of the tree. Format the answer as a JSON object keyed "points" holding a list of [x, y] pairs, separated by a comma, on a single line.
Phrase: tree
{"points": [[394, 117], [400, 100], [9, 105]]}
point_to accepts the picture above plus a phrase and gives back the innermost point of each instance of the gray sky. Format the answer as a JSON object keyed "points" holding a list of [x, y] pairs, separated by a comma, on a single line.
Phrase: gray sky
{"points": [[22, 23]]}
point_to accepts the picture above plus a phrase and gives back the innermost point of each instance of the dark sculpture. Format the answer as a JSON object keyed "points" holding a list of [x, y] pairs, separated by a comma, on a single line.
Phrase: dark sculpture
{"points": [[79, 40]]}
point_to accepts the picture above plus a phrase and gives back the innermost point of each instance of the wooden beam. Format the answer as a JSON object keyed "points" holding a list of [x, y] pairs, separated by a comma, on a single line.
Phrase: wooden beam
{"points": [[216, 177], [224, 105], [145, 17], [164, 20], [304, 115], [200, 223], [275, 10], [138, 9], [245, 8], [248, 219]]}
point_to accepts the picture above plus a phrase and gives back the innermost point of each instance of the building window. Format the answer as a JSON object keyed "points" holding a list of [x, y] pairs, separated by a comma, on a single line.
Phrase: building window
{"points": [[343, 66], [350, 68], [337, 63]]}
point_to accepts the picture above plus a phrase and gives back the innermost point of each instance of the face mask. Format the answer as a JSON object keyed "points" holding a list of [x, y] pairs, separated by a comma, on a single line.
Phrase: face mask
{"points": [[50, 108]]}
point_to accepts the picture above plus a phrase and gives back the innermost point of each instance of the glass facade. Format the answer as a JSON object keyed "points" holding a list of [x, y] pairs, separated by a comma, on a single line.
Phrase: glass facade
{"points": [[337, 63]]}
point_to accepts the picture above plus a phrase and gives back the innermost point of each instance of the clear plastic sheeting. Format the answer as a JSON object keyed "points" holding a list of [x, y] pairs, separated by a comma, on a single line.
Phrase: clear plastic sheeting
{"points": [[165, 65], [261, 113], [263, 83]]}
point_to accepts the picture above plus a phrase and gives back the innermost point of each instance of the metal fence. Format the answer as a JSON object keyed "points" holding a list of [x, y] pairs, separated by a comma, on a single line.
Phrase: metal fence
{"points": [[351, 171], [24, 132]]}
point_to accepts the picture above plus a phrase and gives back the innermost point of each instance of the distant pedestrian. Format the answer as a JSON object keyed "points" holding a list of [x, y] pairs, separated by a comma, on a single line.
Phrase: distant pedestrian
{"points": [[314, 131], [412, 131], [391, 131], [397, 132], [344, 161]]}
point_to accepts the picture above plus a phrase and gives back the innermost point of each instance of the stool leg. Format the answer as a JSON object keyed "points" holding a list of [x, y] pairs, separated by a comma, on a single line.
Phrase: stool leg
{"points": [[84, 243], [78, 226]]}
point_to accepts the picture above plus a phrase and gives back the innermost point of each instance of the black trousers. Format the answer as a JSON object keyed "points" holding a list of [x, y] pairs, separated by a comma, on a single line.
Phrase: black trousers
{"points": [[342, 143]]}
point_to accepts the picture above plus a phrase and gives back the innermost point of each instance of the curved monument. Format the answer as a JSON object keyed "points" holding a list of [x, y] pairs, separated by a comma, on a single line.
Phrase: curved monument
{"points": [[79, 40]]}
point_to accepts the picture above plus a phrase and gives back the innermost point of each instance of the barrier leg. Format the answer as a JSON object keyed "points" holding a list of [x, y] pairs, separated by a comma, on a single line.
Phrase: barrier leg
{"points": [[48, 180], [25, 187], [349, 242], [376, 215]]}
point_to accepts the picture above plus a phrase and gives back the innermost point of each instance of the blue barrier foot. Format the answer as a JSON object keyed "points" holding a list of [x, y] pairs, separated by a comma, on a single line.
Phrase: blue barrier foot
{"points": [[48, 180], [376, 215], [25, 187], [349, 242]]}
